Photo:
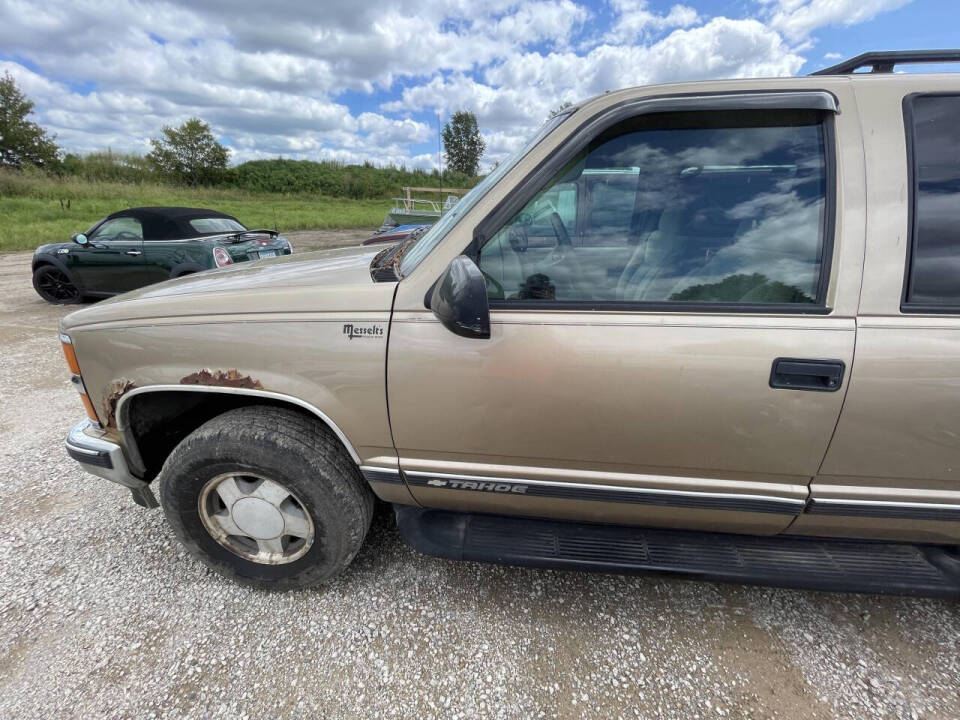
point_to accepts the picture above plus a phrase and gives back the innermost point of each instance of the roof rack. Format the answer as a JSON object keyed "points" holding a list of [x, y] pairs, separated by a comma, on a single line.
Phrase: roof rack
{"points": [[884, 61]]}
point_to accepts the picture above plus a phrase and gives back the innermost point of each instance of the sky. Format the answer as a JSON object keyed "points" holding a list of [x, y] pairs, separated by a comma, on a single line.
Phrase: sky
{"points": [[364, 80]]}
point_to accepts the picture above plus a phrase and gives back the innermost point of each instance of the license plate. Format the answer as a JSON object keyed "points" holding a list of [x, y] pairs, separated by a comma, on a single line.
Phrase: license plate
{"points": [[267, 253]]}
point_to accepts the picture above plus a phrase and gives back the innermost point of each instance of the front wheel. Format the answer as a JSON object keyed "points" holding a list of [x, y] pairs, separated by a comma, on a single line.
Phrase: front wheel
{"points": [[54, 286], [267, 496]]}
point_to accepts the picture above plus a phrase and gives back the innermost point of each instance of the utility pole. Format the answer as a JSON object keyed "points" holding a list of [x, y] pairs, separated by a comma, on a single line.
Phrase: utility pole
{"points": [[439, 142]]}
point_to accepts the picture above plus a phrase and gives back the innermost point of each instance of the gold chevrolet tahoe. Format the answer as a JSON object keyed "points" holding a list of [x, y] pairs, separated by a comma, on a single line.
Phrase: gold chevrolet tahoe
{"points": [[709, 329]]}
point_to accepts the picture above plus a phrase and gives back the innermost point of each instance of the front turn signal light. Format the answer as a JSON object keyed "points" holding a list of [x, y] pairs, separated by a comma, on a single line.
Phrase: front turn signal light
{"points": [[70, 354]]}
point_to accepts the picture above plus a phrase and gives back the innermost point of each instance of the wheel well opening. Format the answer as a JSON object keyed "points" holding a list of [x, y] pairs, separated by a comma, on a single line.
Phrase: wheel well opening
{"points": [[156, 422]]}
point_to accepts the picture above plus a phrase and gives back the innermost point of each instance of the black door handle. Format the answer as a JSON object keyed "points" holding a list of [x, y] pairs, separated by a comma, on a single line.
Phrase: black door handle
{"points": [[797, 374]]}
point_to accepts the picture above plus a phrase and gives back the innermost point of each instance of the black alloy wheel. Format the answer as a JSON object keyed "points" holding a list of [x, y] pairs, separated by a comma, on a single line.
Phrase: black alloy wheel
{"points": [[53, 285]]}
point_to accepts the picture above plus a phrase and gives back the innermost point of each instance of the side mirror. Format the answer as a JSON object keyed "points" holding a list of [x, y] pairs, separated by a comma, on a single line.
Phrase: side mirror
{"points": [[459, 299], [79, 238]]}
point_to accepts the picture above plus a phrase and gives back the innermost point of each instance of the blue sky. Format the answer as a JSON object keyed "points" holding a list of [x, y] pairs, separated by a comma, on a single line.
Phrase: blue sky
{"points": [[364, 81]]}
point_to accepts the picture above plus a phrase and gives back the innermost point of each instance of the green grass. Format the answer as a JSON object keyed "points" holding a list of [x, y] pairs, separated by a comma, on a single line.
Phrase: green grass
{"points": [[31, 213]]}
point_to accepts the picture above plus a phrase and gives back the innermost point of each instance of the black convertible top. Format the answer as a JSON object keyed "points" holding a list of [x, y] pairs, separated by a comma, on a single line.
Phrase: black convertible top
{"points": [[169, 223]]}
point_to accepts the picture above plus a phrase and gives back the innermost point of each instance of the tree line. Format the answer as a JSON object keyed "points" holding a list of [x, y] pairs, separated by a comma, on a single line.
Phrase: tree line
{"points": [[190, 155], [276, 175]]}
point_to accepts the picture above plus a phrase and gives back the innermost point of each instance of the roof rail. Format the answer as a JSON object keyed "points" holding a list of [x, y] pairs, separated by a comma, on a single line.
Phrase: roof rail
{"points": [[884, 61]]}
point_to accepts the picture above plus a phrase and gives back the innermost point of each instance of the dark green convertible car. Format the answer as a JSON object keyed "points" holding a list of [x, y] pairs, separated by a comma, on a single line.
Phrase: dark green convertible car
{"points": [[141, 246]]}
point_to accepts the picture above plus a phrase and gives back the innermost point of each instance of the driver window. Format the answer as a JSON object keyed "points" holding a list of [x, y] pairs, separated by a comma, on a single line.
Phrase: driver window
{"points": [[124, 228], [675, 208]]}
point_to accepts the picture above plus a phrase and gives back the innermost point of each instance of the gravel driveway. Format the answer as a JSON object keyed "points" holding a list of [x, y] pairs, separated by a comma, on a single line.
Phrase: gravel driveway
{"points": [[103, 615]]}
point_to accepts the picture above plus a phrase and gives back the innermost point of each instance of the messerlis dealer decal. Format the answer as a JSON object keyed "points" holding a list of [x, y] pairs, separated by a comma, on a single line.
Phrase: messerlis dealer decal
{"points": [[362, 331]]}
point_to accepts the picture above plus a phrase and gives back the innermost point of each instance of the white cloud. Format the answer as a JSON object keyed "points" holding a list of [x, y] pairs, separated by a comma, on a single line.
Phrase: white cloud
{"points": [[533, 22], [283, 77], [387, 130], [796, 19], [634, 20]]}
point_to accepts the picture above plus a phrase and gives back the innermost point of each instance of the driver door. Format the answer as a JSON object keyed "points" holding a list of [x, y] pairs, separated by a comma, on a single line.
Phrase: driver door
{"points": [[675, 355], [112, 260]]}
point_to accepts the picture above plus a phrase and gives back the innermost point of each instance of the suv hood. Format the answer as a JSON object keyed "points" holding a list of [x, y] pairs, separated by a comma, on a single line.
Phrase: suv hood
{"points": [[323, 281]]}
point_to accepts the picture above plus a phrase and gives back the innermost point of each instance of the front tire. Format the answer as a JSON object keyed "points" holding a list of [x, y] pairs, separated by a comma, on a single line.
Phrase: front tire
{"points": [[268, 497], [54, 286]]}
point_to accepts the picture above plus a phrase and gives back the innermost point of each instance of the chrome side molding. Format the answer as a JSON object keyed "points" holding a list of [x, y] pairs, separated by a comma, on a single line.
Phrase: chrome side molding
{"points": [[694, 499], [562, 490]]}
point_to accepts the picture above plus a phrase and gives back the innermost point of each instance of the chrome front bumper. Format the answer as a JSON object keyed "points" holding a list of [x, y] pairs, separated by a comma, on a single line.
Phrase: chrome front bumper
{"points": [[86, 444]]}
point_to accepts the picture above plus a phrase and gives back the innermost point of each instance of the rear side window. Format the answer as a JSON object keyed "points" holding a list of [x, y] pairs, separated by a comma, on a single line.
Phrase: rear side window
{"points": [[933, 141]]}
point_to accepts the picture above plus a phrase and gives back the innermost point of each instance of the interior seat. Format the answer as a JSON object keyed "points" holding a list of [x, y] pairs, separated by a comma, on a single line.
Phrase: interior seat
{"points": [[650, 254]]}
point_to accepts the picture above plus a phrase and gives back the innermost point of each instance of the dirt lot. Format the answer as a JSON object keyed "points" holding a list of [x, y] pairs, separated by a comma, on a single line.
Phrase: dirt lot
{"points": [[103, 615], [318, 239]]}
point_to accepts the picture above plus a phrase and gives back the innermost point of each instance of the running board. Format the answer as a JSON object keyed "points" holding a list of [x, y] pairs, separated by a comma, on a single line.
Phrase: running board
{"points": [[808, 563]]}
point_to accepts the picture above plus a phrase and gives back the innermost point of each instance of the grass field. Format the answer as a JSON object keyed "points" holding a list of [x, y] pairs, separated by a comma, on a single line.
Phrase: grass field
{"points": [[31, 212]]}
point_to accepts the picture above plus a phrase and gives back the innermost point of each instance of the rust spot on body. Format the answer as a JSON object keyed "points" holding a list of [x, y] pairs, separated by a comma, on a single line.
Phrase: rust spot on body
{"points": [[221, 378], [115, 390]]}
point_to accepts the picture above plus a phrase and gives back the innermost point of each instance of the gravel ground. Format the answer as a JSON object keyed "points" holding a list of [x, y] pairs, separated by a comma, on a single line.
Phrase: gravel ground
{"points": [[103, 615]]}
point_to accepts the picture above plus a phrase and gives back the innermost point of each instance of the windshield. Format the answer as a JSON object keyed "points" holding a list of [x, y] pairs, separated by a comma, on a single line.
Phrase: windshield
{"points": [[216, 225], [429, 240]]}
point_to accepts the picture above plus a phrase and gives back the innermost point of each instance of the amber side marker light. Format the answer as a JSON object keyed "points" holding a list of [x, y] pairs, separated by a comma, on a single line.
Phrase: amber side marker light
{"points": [[71, 356]]}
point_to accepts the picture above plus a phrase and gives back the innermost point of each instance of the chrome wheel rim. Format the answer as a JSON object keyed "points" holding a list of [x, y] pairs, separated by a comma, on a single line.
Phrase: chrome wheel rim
{"points": [[257, 518]]}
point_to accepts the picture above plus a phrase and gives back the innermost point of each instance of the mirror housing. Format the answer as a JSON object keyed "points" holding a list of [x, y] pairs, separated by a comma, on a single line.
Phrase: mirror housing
{"points": [[79, 238], [459, 299]]}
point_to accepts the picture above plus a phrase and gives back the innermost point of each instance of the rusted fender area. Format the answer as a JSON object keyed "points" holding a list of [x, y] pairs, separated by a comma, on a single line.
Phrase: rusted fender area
{"points": [[221, 378], [115, 390], [206, 377]]}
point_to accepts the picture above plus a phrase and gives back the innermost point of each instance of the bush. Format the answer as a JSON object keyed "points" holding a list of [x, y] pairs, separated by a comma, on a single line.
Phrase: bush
{"points": [[109, 166], [286, 177], [335, 179]]}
